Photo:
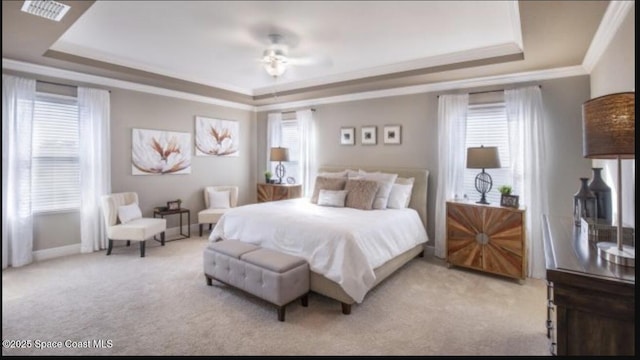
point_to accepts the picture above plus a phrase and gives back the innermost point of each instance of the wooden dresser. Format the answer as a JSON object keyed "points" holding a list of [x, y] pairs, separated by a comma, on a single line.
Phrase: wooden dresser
{"points": [[591, 302], [273, 192], [487, 238]]}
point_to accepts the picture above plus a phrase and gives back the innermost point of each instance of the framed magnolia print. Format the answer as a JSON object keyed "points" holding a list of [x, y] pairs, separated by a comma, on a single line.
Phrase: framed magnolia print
{"points": [[369, 135], [347, 136], [158, 152], [392, 134], [216, 137]]}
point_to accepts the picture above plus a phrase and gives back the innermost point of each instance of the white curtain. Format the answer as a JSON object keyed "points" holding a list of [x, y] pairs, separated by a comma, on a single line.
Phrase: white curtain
{"points": [[95, 165], [525, 115], [452, 128], [18, 97], [274, 134], [307, 156]]}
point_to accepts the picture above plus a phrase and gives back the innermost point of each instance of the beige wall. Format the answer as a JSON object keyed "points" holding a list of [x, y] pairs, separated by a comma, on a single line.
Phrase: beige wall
{"points": [[418, 116]]}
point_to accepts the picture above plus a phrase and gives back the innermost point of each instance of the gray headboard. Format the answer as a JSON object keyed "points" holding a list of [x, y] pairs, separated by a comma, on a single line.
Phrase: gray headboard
{"points": [[420, 185]]}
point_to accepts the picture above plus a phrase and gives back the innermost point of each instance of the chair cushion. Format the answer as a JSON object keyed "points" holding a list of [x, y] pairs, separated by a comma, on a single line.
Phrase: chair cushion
{"points": [[272, 260], [232, 248], [219, 199], [137, 230], [127, 213], [208, 216]]}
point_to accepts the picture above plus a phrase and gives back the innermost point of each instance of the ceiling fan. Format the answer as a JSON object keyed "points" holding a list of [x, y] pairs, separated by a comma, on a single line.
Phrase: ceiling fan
{"points": [[275, 58]]}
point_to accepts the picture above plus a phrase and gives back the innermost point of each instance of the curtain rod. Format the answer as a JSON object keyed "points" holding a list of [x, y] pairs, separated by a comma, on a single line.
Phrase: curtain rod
{"points": [[59, 84], [292, 111], [490, 91]]}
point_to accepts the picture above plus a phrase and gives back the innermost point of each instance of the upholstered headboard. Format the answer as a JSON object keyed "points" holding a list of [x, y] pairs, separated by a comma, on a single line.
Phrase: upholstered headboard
{"points": [[419, 193]]}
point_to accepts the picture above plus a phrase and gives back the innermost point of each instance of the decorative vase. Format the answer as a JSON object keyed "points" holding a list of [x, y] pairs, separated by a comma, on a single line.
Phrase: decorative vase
{"points": [[584, 202], [603, 196]]}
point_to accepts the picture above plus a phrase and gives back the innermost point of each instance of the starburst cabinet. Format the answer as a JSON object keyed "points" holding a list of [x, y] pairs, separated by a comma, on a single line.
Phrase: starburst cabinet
{"points": [[486, 238]]}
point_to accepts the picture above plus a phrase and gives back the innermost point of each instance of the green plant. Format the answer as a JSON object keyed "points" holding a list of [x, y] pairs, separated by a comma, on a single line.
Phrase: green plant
{"points": [[268, 174], [505, 189]]}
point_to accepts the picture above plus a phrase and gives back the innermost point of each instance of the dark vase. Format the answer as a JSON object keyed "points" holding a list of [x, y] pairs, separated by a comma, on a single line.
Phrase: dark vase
{"points": [[603, 196], [584, 202]]}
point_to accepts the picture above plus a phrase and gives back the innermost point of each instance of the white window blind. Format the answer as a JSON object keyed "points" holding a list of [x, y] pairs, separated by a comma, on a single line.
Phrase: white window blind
{"points": [[55, 154], [487, 125]]}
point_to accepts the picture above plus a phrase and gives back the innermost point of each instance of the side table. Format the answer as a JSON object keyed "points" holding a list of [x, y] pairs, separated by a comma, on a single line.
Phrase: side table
{"points": [[163, 213]]}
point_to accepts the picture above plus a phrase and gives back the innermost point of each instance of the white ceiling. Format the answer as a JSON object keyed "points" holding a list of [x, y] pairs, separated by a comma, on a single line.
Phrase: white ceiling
{"points": [[219, 43]]}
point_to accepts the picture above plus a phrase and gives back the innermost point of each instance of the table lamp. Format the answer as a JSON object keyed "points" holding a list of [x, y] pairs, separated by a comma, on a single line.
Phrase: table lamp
{"points": [[483, 158], [279, 154], [608, 132]]}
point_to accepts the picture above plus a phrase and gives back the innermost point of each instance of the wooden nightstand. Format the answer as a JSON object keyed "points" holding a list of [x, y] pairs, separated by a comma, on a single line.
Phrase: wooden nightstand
{"points": [[273, 192], [487, 238]]}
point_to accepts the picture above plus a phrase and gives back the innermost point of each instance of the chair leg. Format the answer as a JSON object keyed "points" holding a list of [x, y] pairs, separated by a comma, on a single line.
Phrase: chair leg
{"points": [[128, 242], [142, 248], [210, 227], [305, 300], [109, 247], [200, 229], [162, 239]]}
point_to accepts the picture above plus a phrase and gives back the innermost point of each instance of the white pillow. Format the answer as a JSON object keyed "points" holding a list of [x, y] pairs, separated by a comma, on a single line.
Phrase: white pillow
{"points": [[334, 198], [128, 213], [219, 199], [400, 195], [385, 182]]}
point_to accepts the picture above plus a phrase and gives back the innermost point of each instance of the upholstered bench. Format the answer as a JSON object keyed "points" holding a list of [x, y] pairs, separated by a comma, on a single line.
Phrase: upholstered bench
{"points": [[270, 275]]}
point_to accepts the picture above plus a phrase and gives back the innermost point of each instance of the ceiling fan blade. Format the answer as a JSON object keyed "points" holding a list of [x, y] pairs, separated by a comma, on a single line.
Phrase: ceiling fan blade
{"points": [[317, 60]]}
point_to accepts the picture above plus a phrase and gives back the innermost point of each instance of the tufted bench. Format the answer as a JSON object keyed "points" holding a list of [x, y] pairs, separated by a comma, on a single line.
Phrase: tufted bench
{"points": [[270, 275]]}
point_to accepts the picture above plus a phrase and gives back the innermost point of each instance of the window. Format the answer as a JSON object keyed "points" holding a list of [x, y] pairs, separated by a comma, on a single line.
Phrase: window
{"points": [[487, 125], [289, 138], [55, 154]]}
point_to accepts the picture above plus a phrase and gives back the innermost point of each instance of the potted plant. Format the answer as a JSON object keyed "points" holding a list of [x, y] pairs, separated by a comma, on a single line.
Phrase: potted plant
{"points": [[267, 176], [506, 199]]}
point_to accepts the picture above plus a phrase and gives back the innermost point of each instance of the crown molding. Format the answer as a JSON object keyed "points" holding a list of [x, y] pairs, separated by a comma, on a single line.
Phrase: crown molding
{"points": [[514, 11], [616, 12], [528, 76], [105, 81]]}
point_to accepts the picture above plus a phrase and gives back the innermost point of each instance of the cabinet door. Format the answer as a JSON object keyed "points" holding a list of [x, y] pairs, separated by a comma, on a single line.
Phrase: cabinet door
{"points": [[485, 238]]}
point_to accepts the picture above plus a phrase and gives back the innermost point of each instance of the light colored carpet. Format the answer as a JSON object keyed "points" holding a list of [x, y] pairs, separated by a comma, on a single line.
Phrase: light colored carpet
{"points": [[161, 305]]}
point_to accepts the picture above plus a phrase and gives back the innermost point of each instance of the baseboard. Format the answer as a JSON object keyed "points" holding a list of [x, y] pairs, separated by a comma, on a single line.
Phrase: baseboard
{"points": [[55, 252]]}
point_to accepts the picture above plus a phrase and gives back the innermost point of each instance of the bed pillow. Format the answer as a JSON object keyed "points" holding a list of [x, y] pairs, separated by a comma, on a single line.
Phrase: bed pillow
{"points": [[361, 193], [128, 213], [326, 183], [335, 198], [338, 174], [385, 182], [400, 195], [219, 199]]}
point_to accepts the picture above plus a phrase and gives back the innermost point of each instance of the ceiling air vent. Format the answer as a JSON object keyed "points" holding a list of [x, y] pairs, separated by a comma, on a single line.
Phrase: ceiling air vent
{"points": [[47, 9]]}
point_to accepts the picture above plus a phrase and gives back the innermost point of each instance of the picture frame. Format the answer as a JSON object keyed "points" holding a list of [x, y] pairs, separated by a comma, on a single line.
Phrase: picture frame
{"points": [[369, 135], [174, 205], [217, 137], [510, 201], [348, 136], [392, 134], [160, 152]]}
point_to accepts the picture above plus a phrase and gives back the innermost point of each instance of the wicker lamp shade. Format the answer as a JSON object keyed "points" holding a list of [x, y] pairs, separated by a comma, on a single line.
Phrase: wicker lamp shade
{"points": [[608, 126]]}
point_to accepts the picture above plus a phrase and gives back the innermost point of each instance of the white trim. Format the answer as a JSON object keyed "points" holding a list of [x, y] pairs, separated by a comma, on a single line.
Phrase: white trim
{"points": [[56, 252], [451, 58], [514, 12], [442, 86], [614, 16], [104, 81]]}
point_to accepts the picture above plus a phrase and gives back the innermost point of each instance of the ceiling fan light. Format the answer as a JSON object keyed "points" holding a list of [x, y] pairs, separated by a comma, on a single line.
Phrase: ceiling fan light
{"points": [[274, 62]]}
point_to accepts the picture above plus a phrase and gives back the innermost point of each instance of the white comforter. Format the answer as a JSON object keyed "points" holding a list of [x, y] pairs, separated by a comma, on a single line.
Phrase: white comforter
{"points": [[343, 244]]}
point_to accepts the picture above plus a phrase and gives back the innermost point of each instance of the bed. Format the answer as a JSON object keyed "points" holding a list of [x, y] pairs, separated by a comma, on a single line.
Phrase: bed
{"points": [[349, 251]]}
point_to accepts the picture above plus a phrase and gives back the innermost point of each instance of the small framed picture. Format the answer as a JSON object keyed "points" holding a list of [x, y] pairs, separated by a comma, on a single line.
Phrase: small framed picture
{"points": [[173, 205], [369, 135], [392, 134], [509, 201], [347, 136]]}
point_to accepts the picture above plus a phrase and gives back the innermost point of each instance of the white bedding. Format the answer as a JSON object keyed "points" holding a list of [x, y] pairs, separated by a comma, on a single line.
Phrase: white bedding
{"points": [[343, 244]]}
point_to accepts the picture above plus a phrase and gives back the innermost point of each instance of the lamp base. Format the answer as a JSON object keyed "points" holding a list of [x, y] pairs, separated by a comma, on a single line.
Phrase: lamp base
{"points": [[610, 252]]}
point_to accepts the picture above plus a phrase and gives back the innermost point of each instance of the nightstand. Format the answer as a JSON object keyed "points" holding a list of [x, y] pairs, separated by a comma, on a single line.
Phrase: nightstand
{"points": [[273, 192], [487, 238]]}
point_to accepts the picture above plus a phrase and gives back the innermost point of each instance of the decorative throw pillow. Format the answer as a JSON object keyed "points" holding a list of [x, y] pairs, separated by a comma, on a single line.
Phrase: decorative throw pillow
{"points": [[334, 198], [326, 183], [400, 193], [128, 213], [361, 193], [219, 199], [385, 181], [338, 174]]}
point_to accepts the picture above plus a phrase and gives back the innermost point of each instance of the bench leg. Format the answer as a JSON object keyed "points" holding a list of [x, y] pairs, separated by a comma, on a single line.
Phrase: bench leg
{"points": [[162, 239], [209, 281], [200, 229], [142, 248], [109, 247], [346, 308], [281, 312], [305, 300]]}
